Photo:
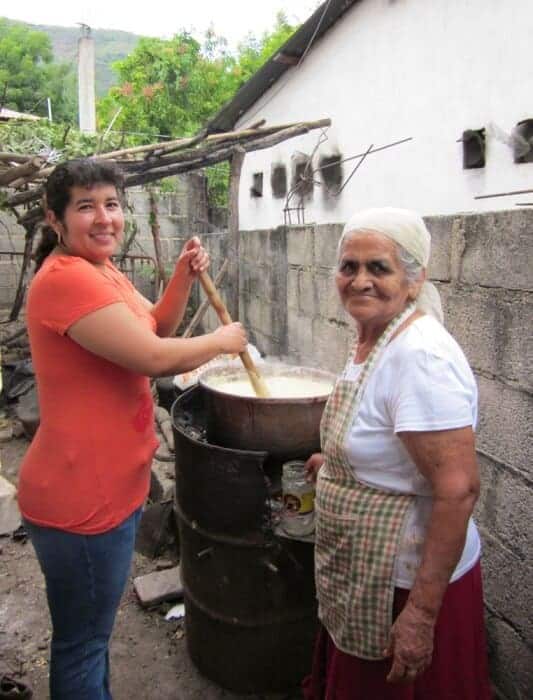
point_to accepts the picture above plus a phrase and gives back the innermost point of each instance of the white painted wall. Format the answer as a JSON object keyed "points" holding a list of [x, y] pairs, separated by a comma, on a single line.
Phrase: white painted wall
{"points": [[391, 69]]}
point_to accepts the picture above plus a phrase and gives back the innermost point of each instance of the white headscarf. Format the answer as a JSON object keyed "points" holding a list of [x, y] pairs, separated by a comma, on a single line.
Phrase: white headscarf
{"points": [[408, 230]]}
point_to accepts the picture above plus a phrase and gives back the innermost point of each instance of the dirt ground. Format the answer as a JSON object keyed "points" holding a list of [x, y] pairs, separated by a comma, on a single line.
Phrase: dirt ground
{"points": [[149, 658]]}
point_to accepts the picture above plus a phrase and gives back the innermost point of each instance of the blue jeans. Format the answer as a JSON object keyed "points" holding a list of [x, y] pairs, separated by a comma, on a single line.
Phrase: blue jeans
{"points": [[85, 577]]}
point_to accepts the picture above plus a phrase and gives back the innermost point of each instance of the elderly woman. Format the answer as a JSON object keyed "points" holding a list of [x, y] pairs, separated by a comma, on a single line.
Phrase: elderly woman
{"points": [[397, 552]]}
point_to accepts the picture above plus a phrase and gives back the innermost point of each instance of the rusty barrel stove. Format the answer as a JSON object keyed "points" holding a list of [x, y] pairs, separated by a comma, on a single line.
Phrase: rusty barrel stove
{"points": [[249, 593]]}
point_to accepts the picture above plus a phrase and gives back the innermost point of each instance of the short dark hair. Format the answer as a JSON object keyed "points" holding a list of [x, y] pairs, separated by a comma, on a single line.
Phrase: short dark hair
{"points": [[82, 172]]}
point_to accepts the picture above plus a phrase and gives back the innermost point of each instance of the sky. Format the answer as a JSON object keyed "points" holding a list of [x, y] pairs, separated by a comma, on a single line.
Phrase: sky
{"points": [[232, 19]]}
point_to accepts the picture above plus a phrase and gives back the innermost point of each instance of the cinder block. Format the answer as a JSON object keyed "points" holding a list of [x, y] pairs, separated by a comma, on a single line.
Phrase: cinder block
{"points": [[510, 659], [246, 245], [159, 586], [512, 602], [330, 346], [490, 326], [172, 227], [329, 305], [255, 248], [505, 505], [306, 293], [326, 240], [440, 228], [139, 200], [505, 425], [293, 274], [300, 245], [277, 241], [9, 224], [499, 249], [300, 331], [253, 313]]}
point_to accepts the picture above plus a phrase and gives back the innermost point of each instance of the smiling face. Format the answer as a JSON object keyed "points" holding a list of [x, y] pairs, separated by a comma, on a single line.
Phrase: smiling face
{"points": [[371, 280], [92, 226]]}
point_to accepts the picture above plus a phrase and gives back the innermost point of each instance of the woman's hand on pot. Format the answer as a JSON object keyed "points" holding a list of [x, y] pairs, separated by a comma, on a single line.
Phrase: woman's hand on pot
{"points": [[410, 644], [231, 338], [193, 258], [313, 465]]}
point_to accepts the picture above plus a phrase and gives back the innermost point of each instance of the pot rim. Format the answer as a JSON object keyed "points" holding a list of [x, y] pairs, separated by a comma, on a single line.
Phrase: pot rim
{"points": [[267, 371]]}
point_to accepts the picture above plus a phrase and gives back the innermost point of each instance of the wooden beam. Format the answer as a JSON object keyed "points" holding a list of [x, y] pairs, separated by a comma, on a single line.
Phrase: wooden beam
{"points": [[154, 225], [22, 171]]}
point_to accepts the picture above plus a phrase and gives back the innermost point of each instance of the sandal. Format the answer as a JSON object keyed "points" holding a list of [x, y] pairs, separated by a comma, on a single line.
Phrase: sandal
{"points": [[10, 689]]}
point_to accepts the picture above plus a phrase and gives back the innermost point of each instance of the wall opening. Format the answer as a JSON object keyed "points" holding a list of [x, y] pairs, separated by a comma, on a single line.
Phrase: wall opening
{"points": [[256, 190], [473, 148], [331, 171], [302, 177], [278, 180], [523, 142]]}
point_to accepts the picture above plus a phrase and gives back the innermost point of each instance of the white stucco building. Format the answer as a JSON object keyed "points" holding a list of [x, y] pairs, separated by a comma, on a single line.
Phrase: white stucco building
{"points": [[383, 71]]}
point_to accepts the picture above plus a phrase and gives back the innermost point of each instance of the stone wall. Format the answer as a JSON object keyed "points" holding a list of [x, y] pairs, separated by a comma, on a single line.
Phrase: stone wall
{"points": [[482, 265]]}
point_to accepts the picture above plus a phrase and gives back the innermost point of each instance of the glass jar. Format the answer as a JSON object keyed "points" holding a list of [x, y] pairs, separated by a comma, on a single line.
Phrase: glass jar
{"points": [[298, 515]]}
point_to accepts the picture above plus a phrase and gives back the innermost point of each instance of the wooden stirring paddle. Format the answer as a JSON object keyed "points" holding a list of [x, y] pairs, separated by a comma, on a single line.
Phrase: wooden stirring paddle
{"points": [[256, 379]]}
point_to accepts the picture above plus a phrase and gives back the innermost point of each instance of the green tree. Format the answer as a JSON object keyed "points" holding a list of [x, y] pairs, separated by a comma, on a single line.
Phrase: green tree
{"points": [[171, 88], [28, 75], [167, 87], [254, 51]]}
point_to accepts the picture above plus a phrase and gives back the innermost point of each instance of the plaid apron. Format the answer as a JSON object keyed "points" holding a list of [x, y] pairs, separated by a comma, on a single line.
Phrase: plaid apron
{"points": [[358, 528]]}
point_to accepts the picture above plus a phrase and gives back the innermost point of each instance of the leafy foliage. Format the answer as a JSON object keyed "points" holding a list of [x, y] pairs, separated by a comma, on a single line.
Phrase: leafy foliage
{"points": [[167, 88], [28, 75], [170, 88], [57, 141]]}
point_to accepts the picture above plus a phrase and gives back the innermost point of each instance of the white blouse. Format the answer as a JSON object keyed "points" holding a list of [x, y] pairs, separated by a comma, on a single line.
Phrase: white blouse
{"points": [[422, 381]]}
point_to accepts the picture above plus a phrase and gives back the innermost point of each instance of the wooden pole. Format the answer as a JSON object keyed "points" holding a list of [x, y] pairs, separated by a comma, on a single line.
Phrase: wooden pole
{"points": [[154, 224], [256, 379]]}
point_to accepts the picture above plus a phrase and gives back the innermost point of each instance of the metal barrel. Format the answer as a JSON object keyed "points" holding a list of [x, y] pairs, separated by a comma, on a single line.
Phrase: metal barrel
{"points": [[249, 595]]}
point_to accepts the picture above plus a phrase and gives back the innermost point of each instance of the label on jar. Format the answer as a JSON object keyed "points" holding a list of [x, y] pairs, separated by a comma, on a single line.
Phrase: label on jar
{"points": [[299, 504]]}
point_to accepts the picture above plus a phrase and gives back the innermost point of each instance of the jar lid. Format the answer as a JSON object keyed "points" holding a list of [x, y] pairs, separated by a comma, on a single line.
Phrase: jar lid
{"points": [[295, 466]]}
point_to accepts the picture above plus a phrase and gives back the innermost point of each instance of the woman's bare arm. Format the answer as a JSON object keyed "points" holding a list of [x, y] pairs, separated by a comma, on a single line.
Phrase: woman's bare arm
{"points": [[169, 310], [447, 459], [117, 335]]}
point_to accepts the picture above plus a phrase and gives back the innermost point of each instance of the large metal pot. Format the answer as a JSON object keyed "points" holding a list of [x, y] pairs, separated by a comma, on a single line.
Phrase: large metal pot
{"points": [[287, 428]]}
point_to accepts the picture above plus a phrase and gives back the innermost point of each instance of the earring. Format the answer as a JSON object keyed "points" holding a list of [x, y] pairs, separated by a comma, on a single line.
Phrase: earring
{"points": [[59, 239]]}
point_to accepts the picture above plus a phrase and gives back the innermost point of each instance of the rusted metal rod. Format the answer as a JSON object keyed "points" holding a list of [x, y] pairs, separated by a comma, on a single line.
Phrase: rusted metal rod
{"points": [[502, 194]]}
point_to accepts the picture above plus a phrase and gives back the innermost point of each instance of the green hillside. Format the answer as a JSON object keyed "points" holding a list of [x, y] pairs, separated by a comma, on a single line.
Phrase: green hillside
{"points": [[110, 46]]}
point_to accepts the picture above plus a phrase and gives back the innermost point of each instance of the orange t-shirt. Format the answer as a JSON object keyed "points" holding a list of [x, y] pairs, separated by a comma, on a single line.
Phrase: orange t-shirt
{"points": [[88, 466]]}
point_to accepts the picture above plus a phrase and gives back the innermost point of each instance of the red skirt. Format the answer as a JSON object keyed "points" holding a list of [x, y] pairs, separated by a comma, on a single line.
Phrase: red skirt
{"points": [[458, 671]]}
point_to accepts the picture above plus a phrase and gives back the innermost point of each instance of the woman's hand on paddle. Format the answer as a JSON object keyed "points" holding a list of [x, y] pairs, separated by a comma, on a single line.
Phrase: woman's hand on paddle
{"points": [[313, 465], [231, 338], [193, 258], [410, 644]]}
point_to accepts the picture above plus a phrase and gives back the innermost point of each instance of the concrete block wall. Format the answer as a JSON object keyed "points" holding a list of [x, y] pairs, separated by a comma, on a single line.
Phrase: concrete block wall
{"points": [[483, 267], [181, 214], [11, 243]]}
